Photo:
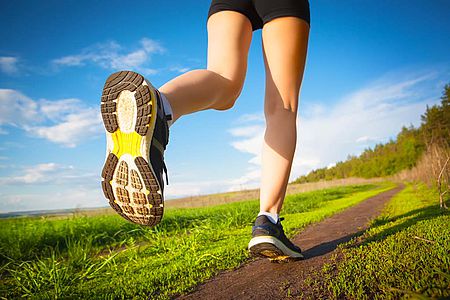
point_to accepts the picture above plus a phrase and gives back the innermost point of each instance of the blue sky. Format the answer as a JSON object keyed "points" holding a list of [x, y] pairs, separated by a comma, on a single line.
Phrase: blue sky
{"points": [[372, 67]]}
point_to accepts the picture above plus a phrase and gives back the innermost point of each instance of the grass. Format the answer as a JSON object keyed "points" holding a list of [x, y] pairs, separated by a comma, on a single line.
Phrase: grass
{"points": [[405, 253], [107, 257], [292, 188]]}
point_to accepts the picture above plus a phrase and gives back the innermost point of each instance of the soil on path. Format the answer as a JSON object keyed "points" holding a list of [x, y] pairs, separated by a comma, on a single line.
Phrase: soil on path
{"points": [[261, 279]]}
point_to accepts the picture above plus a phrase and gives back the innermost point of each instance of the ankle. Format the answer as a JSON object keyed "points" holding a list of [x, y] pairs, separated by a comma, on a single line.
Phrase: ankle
{"points": [[273, 217], [167, 109]]}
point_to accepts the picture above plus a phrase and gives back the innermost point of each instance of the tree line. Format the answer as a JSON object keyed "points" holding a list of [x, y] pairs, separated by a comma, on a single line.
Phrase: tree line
{"points": [[431, 138]]}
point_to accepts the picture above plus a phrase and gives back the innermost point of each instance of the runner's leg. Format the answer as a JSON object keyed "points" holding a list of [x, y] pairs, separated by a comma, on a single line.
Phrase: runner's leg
{"points": [[217, 87], [285, 41]]}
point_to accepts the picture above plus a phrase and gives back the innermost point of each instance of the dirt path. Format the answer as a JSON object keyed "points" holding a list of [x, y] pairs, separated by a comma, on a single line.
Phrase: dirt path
{"points": [[261, 279]]}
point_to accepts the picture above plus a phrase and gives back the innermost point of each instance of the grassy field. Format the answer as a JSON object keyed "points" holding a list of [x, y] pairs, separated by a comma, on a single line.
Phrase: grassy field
{"points": [[107, 257], [405, 253], [292, 188], [203, 200]]}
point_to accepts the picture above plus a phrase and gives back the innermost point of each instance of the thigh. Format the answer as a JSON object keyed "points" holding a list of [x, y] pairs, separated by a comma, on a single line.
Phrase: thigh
{"points": [[269, 9], [229, 38], [245, 7], [285, 42]]}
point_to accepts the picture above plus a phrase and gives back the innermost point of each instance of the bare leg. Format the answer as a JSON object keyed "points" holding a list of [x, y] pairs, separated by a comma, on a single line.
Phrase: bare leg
{"points": [[229, 38], [285, 43]]}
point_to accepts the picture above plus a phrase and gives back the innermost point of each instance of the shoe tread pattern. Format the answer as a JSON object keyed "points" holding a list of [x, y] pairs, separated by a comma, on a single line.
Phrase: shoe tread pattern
{"points": [[116, 83], [270, 251], [129, 199]]}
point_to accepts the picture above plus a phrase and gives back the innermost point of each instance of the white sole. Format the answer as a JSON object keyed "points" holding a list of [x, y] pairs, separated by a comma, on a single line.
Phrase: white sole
{"points": [[268, 245], [129, 108]]}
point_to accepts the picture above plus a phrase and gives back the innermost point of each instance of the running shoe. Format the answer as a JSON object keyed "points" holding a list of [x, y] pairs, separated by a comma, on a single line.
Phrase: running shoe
{"points": [[269, 241], [136, 137]]}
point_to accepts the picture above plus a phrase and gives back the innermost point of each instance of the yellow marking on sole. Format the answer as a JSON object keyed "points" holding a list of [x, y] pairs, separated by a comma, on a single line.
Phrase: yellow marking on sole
{"points": [[126, 143], [269, 253], [280, 258]]}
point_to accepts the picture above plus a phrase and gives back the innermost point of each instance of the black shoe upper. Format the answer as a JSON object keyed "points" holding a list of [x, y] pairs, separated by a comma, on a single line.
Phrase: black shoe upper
{"points": [[159, 142], [264, 227]]}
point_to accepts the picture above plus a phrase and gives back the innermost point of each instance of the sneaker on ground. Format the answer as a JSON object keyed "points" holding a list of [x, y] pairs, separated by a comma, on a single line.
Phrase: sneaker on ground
{"points": [[136, 135], [269, 241]]}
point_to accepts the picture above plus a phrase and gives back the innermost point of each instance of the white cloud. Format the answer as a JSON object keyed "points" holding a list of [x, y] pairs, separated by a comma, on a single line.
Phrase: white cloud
{"points": [[71, 128], [49, 173], [182, 189], [50, 186], [369, 115], [16, 108], [114, 56], [204, 187], [152, 46], [248, 118], [246, 131], [67, 122], [250, 144], [36, 174], [8, 65], [53, 109], [55, 186], [367, 139], [249, 180], [75, 197], [179, 69]]}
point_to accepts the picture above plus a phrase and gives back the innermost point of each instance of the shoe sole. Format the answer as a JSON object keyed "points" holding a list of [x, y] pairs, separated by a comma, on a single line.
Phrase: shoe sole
{"points": [[129, 109], [273, 249]]}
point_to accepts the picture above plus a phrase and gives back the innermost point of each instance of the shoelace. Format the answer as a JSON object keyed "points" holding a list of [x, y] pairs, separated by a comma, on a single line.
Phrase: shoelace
{"points": [[165, 172], [166, 118]]}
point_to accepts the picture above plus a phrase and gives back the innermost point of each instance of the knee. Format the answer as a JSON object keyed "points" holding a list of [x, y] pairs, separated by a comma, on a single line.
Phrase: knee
{"points": [[281, 99], [278, 108], [230, 95]]}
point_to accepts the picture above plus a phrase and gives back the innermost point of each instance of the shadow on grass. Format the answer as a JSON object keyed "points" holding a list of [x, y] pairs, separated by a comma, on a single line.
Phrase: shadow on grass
{"points": [[330, 246], [410, 219], [345, 191]]}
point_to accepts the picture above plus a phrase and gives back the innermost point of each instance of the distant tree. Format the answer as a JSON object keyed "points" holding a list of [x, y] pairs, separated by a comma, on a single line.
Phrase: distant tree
{"points": [[436, 133], [436, 121]]}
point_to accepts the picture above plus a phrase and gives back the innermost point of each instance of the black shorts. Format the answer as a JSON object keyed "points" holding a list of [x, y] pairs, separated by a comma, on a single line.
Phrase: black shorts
{"points": [[259, 12]]}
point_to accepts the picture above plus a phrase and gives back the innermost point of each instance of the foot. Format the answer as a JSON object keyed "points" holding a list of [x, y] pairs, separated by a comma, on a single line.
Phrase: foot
{"points": [[136, 135], [269, 241]]}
